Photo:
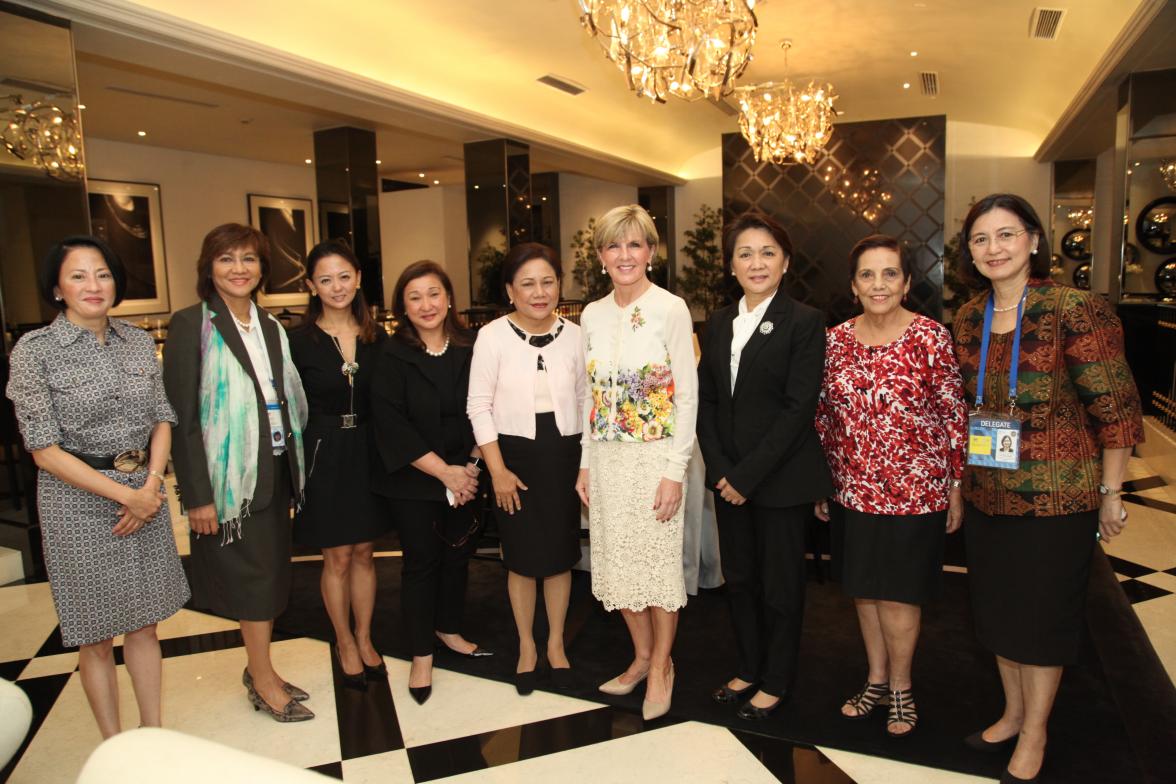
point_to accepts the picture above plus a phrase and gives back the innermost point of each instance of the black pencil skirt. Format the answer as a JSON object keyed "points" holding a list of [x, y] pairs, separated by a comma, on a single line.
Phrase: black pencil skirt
{"points": [[1028, 578], [543, 537], [896, 558]]}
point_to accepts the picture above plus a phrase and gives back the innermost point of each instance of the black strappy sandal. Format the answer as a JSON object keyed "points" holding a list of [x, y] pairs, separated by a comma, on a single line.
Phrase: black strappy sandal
{"points": [[902, 710], [871, 696]]}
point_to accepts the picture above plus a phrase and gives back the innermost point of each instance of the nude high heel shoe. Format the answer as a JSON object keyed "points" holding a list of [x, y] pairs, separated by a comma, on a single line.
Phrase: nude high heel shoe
{"points": [[618, 689], [652, 710]]}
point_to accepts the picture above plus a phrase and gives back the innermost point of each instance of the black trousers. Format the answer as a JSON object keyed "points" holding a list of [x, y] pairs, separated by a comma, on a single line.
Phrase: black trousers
{"points": [[762, 550], [433, 580]]}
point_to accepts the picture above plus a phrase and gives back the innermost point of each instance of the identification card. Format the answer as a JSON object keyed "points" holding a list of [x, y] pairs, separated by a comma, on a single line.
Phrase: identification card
{"points": [[277, 429], [994, 441]]}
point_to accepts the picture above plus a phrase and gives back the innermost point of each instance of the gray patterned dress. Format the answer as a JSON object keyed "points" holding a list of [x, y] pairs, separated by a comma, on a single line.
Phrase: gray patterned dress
{"points": [[72, 391]]}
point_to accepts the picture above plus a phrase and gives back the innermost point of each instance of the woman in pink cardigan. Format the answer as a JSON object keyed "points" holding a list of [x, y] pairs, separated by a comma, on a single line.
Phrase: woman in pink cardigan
{"points": [[526, 380]]}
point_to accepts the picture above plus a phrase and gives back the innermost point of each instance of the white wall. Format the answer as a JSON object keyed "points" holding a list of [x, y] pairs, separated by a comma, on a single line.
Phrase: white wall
{"points": [[581, 198], [425, 223], [197, 193], [984, 159]]}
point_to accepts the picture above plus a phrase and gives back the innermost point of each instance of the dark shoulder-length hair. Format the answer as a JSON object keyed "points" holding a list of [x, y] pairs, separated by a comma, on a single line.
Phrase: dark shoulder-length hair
{"points": [[873, 242], [406, 332], [1038, 262], [224, 238], [359, 311], [49, 275], [753, 220]]}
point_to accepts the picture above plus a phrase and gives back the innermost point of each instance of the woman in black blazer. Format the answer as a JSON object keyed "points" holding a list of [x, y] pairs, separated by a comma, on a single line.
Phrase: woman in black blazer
{"points": [[428, 464], [759, 379]]}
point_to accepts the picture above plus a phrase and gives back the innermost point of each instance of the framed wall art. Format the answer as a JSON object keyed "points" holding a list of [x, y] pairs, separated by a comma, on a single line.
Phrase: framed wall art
{"points": [[128, 216], [289, 226]]}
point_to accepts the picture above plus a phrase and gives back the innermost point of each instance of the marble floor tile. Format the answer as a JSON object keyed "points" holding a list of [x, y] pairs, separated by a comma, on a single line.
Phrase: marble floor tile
{"points": [[1158, 617], [391, 767], [202, 696], [1149, 539], [27, 617], [463, 705], [864, 769], [187, 623], [50, 665], [656, 756], [1160, 580]]}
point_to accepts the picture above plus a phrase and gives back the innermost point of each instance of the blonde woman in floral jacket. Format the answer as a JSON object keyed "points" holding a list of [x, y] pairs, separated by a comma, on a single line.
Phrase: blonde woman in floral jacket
{"points": [[640, 407]]}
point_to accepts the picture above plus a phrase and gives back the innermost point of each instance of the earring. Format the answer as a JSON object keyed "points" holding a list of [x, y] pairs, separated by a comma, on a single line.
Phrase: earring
{"points": [[649, 267], [1033, 252], [59, 299], [314, 293], [509, 301], [604, 270]]}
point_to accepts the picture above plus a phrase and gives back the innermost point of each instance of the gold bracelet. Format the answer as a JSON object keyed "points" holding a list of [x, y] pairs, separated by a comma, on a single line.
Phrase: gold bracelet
{"points": [[157, 475]]}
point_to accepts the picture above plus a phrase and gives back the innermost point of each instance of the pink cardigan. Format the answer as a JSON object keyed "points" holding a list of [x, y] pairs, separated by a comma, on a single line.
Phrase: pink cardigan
{"points": [[501, 397]]}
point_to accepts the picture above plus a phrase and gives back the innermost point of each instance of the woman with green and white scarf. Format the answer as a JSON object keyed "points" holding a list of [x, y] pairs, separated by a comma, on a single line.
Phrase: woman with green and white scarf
{"points": [[237, 451]]}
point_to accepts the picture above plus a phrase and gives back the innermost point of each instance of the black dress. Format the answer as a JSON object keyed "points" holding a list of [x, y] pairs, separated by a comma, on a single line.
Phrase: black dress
{"points": [[340, 508]]}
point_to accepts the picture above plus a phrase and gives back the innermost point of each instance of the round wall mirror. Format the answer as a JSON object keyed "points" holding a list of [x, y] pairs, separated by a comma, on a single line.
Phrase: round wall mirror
{"points": [[1076, 244], [1081, 276], [1166, 278], [1155, 227]]}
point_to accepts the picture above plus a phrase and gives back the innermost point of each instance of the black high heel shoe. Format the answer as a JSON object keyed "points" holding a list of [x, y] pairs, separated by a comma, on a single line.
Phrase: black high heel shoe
{"points": [[421, 693], [726, 695], [477, 653], [976, 742], [357, 680], [1008, 778]]}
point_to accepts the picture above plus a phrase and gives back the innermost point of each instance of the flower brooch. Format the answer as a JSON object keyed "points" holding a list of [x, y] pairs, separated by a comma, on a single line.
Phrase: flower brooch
{"points": [[766, 327]]}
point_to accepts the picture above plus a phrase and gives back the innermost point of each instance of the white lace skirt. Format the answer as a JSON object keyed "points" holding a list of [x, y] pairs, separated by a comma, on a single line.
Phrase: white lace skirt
{"points": [[636, 560]]}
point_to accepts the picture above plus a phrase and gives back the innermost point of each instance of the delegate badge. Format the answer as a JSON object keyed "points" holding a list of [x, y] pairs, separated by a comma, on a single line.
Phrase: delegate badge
{"points": [[994, 441]]}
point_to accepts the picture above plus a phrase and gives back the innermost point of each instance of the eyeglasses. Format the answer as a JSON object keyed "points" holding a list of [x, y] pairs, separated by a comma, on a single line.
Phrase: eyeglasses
{"points": [[1004, 238]]}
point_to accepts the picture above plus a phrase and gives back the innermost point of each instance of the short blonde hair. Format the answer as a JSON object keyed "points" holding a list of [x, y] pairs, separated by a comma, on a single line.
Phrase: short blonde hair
{"points": [[620, 222]]}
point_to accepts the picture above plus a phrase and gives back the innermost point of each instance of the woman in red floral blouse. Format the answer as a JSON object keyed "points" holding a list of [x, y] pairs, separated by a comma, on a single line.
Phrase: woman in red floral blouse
{"points": [[891, 418], [1031, 526]]}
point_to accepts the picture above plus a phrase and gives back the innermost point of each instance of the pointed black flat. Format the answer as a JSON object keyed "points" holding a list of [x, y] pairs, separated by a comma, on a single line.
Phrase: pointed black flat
{"points": [[477, 653], [750, 712]]}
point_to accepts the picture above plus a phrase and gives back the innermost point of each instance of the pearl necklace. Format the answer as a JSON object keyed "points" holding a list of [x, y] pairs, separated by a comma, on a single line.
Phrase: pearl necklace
{"points": [[244, 327], [438, 353], [1010, 307]]}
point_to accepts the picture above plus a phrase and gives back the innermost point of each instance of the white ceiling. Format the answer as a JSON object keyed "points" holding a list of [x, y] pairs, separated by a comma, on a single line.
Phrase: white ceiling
{"points": [[429, 76]]}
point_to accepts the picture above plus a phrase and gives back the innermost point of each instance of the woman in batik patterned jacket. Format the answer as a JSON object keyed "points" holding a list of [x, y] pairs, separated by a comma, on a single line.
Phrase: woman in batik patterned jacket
{"points": [[1030, 528]]}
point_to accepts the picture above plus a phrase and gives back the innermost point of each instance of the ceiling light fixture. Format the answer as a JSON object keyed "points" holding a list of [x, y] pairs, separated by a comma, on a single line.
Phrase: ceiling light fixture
{"points": [[142, 133], [784, 123], [1081, 217], [906, 85], [914, 53], [421, 175], [378, 161], [863, 193], [44, 134], [691, 49], [436, 182], [309, 161], [1168, 173]]}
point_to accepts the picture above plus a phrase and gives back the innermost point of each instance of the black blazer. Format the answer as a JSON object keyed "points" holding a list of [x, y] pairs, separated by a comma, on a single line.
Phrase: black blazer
{"points": [[406, 421], [761, 436], [181, 379]]}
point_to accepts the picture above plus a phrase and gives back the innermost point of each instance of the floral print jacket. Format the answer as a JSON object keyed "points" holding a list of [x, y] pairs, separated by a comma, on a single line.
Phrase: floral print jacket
{"points": [[642, 382]]}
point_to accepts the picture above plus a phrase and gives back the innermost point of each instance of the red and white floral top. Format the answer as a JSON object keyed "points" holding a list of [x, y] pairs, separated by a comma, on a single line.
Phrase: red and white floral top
{"points": [[892, 419]]}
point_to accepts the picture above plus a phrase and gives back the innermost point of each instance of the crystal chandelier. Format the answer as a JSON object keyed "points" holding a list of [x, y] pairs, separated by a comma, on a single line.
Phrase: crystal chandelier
{"points": [[786, 124], [687, 48], [1081, 217], [1168, 173], [865, 195], [44, 134]]}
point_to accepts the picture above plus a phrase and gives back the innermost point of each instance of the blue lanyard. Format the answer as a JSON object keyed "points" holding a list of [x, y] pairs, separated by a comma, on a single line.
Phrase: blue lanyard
{"points": [[1013, 360]]}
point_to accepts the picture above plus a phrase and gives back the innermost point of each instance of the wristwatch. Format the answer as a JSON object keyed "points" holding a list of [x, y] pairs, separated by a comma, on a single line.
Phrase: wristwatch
{"points": [[955, 483], [476, 462], [1104, 490]]}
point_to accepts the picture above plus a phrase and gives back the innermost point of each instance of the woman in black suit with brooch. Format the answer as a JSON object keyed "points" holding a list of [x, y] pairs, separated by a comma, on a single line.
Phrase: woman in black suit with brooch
{"points": [[428, 463], [759, 379]]}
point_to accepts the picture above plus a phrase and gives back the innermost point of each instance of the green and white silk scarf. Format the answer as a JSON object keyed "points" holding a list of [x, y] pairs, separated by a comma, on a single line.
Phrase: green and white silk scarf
{"points": [[229, 423]]}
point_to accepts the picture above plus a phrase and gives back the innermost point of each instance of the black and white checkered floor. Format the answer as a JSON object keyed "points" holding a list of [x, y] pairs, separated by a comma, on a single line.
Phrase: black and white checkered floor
{"points": [[474, 729]]}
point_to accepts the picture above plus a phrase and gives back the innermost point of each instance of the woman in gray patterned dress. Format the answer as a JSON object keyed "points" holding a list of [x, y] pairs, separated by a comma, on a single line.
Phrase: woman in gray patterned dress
{"points": [[88, 398]]}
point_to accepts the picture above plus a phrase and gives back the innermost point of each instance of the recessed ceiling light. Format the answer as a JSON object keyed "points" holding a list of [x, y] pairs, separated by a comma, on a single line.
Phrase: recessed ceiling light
{"points": [[421, 175], [544, 198], [476, 187], [436, 182], [81, 106], [142, 133], [906, 85], [1137, 163], [378, 161], [914, 53], [308, 160]]}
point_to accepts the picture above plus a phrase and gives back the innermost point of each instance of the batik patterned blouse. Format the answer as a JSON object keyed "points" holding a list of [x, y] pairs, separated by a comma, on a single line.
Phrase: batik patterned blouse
{"points": [[892, 419], [1075, 397], [642, 383]]}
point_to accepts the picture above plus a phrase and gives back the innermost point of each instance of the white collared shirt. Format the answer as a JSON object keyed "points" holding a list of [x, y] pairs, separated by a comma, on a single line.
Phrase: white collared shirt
{"points": [[254, 342], [742, 328]]}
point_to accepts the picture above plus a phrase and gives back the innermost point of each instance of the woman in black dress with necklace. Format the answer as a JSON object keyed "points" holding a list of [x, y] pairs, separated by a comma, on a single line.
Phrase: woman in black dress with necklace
{"points": [[335, 350]]}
